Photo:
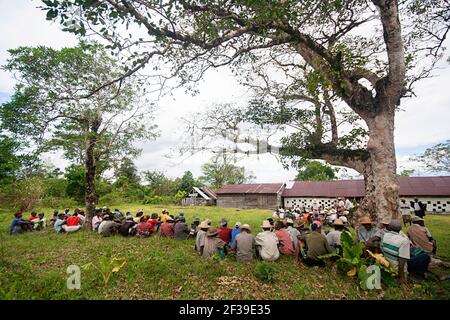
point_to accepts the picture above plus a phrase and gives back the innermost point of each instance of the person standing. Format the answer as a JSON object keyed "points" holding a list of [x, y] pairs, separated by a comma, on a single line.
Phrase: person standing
{"points": [[201, 236], [419, 208]]}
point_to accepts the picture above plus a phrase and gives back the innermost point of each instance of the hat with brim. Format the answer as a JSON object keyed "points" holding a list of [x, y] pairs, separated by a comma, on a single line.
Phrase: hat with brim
{"points": [[246, 227], [395, 225], [212, 232], [266, 224], [238, 224], [290, 221], [344, 219], [416, 219], [204, 225], [333, 211], [365, 220], [338, 222]]}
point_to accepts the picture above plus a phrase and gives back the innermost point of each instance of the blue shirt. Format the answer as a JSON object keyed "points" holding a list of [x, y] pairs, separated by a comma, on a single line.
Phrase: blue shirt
{"points": [[16, 222], [234, 233], [58, 224]]}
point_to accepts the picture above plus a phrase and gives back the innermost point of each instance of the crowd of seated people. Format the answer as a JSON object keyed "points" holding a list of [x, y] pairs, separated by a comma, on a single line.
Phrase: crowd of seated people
{"points": [[296, 232]]}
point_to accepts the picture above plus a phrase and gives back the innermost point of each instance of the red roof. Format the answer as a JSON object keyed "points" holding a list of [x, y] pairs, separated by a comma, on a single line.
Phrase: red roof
{"points": [[409, 186], [209, 192], [261, 188]]}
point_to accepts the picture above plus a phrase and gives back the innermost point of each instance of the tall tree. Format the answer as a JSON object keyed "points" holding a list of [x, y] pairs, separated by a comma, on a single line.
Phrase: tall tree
{"points": [[128, 169], [187, 182], [221, 170], [9, 161], [436, 158], [362, 49], [159, 184], [315, 171], [59, 105]]}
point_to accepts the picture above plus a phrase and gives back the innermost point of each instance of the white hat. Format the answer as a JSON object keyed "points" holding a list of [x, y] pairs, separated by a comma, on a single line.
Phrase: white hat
{"points": [[266, 224], [237, 224], [344, 219], [246, 227]]}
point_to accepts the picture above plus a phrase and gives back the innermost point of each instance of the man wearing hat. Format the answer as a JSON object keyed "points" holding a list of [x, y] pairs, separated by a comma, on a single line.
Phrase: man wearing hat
{"points": [[420, 236], [164, 216], [313, 245], [235, 232], [334, 237], [213, 244], [181, 230], [244, 245], [396, 248], [201, 236], [224, 231], [266, 243], [167, 228], [369, 234], [293, 232]]}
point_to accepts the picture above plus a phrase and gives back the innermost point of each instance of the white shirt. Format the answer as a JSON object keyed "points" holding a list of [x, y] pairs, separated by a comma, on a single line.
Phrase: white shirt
{"points": [[95, 220], [267, 243], [348, 204], [341, 203], [334, 238], [395, 245]]}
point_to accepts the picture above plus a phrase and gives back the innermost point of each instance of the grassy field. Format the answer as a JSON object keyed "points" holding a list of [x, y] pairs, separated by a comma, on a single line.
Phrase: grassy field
{"points": [[33, 266]]}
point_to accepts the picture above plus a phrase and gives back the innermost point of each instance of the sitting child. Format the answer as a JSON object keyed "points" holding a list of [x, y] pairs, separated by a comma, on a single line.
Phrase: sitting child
{"points": [[19, 225]]}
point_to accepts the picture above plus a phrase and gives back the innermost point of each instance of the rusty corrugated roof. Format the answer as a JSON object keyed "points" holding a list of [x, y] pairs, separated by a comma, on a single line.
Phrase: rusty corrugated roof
{"points": [[409, 186], [261, 188], [210, 193]]}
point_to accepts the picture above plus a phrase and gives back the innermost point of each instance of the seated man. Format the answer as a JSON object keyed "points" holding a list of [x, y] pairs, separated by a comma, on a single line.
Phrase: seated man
{"points": [[128, 227], [244, 244], [164, 216], [42, 223], [97, 219], [213, 244], [369, 234], [225, 231], [396, 248], [235, 232], [420, 236], [108, 227], [286, 246], [19, 225], [73, 223], [60, 223], [313, 245], [194, 228], [200, 238], [266, 243], [334, 237], [181, 230], [54, 217], [167, 228], [139, 215], [143, 228], [293, 232]]}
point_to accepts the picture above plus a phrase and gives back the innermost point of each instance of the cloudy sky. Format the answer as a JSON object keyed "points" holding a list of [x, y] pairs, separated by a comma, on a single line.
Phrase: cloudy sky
{"points": [[423, 123]]}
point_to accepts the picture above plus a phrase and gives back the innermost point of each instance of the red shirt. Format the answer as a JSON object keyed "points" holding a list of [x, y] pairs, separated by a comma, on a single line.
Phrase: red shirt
{"points": [[225, 234], [32, 218], [72, 221], [152, 223], [166, 230], [287, 247], [143, 228]]}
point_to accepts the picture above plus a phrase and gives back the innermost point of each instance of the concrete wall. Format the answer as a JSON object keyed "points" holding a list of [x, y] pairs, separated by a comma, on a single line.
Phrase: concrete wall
{"points": [[249, 201], [434, 204]]}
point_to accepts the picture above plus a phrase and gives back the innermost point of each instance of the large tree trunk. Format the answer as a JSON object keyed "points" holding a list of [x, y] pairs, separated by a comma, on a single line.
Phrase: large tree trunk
{"points": [[383, 164], [90, 167], [368, 205]]}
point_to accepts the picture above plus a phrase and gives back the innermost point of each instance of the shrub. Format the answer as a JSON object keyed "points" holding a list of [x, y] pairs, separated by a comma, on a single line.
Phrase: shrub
{"points": [[265, 271]]}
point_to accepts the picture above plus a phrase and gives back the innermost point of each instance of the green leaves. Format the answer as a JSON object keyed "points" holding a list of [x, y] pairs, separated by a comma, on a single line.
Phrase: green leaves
{"points": [[107, 266]]}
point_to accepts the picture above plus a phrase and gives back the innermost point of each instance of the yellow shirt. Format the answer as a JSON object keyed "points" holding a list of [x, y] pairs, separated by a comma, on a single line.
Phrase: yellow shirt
{"points": [[164, 217]]}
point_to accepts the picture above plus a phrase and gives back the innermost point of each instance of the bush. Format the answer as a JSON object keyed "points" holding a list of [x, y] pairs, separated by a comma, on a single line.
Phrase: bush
{"points": [[159, 200], [113, 198], [55, 203], [265, 271]]}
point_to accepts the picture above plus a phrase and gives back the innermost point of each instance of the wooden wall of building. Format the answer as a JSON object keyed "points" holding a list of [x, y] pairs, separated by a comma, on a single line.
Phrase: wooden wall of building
{"points": [[249, 201]]}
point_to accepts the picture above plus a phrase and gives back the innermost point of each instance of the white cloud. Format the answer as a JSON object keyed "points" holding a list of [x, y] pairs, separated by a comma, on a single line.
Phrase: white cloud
{"points": [[425, 121]]}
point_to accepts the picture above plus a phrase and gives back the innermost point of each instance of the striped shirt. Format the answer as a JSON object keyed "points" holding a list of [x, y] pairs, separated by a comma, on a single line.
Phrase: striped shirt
{"points": [[395, 245]]}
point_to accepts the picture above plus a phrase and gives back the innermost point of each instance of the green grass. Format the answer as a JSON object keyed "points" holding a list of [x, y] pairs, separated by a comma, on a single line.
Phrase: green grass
{"points": [[33, 266]]}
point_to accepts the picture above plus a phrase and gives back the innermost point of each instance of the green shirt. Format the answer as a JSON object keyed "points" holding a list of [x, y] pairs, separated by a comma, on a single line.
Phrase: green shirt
{"points": [[317, 245]]}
